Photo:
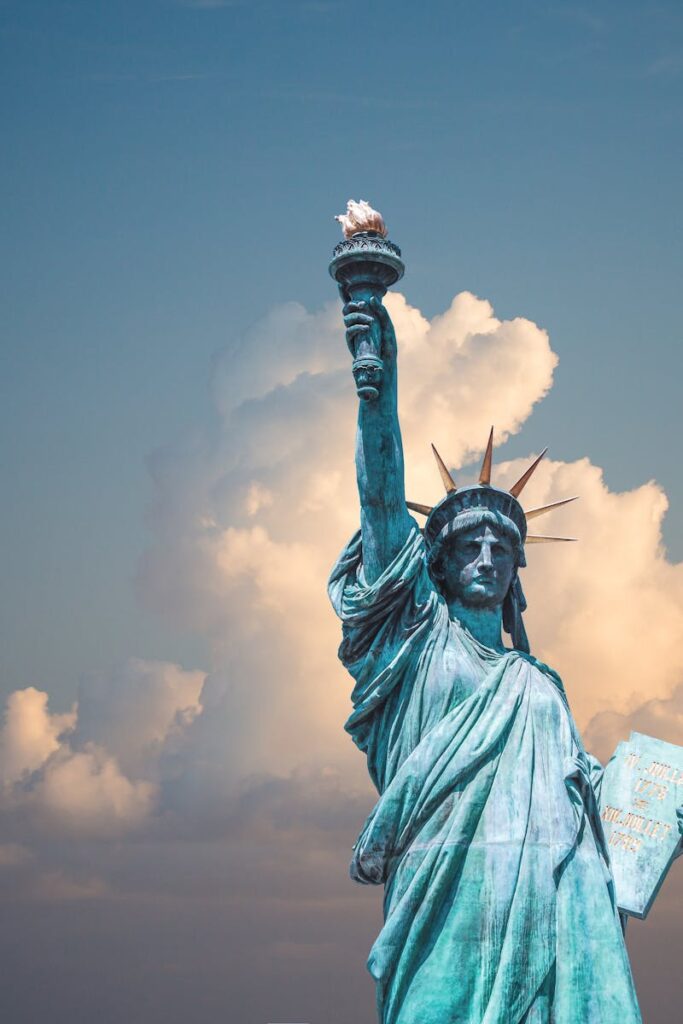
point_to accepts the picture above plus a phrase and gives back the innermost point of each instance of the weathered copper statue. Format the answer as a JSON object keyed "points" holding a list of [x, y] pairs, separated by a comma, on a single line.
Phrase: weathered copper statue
{"points": [[499, 902]]}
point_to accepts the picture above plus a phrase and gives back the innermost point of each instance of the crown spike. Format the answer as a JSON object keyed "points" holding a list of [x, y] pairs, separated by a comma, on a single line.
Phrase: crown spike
{"points": [[485, 474], [517, 488], [414, 506], [448, 481], [536, 539], [533, 512]]}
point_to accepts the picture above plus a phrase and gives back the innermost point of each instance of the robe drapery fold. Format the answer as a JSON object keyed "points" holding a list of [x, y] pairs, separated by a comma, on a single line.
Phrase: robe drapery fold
{"points": [[499, 903]]}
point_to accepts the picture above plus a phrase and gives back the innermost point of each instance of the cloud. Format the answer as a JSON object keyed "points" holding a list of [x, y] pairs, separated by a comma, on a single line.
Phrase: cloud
{"points": [[660, 718], [236, 790], [95, 770], [459, 374], [30, 734], [248, 523], [131, 710], [606, 612], [85, 792], [247, 520]]}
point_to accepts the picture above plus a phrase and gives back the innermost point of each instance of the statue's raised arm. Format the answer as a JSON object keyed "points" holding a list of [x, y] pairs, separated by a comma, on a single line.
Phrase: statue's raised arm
{"points": [[385, 523], [364, 266]]}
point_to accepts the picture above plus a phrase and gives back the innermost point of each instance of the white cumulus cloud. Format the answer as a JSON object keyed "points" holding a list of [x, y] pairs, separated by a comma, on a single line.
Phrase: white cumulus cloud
{"points": [[96, 770], [247, 522], [30, 734], [239, 784]]}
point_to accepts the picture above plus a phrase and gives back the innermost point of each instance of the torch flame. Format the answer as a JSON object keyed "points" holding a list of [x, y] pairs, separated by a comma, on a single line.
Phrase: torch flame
{"points": [[361, 217]]}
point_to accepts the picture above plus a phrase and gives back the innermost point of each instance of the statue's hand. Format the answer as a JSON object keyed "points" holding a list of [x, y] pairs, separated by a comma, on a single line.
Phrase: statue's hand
{"points": [[359, 318], [679, 815]]}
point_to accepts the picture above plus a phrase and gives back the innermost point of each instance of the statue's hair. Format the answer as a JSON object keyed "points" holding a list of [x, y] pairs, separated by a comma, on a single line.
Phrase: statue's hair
{"points": [[514, 602]]}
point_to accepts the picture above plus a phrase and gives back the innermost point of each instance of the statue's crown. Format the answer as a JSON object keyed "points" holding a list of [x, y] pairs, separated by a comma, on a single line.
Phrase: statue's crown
{"points": [[483, 495]]}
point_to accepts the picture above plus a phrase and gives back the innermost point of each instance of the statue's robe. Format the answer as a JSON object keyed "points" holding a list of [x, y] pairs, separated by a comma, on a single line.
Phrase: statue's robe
{"points": [[499, 903]]}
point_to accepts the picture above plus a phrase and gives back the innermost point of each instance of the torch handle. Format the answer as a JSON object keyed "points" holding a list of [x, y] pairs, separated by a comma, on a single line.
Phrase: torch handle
{"points": [[368, 367]]}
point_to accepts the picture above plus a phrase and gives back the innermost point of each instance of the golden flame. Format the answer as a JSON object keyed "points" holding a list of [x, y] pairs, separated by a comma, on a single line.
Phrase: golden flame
{"points": [[360, 216]]}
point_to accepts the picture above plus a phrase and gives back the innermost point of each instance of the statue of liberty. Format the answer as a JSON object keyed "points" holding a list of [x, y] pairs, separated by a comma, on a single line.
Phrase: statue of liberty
{"points": [[499, 903]]}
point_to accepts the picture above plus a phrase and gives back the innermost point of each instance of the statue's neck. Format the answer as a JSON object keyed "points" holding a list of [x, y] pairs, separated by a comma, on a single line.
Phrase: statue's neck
{"points": [[485, 624]]}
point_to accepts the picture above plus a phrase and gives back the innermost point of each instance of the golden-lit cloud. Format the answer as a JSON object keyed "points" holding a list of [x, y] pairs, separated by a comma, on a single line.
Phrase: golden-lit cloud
{"points": [[94, 771], [237, 787], [84, 792], [248, 525], [607, 611], [30, 734], [247, 522], [662, 718]]}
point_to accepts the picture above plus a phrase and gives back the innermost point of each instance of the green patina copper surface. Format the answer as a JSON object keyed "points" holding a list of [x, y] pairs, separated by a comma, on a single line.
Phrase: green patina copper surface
{"points": [[640, 792], [499, 902], [499, 905]]}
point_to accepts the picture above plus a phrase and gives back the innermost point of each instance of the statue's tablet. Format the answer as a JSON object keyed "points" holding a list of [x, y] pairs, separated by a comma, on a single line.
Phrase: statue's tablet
{"points": [[641, 789]]}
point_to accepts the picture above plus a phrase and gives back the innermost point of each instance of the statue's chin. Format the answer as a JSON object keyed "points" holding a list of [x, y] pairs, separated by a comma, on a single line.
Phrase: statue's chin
{"points": [[480, 598]]}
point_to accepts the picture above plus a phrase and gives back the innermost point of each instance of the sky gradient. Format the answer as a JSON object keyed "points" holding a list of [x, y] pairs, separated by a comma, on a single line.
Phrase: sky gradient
{"points": [[176, 424]]}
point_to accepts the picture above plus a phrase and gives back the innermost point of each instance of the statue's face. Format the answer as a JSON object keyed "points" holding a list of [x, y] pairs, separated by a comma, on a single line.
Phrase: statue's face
{"points": [[478, 566]]}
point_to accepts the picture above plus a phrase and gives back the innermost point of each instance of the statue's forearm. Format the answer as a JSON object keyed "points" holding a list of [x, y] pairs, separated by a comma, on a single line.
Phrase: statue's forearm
{"points": [[379, 449], [385, 522]]}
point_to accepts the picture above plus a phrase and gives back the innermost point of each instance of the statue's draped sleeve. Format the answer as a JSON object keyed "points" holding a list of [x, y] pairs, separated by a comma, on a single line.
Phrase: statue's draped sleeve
{"points": [[385, 627]]}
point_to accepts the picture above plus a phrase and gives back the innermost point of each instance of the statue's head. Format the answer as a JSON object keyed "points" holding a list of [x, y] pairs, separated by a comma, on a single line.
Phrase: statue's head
{"points": [[475, 540], [478, 560], [475, 557]]}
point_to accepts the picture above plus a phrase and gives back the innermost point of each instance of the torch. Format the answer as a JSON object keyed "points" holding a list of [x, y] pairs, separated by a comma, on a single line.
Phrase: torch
{"points": [[364, 265]]}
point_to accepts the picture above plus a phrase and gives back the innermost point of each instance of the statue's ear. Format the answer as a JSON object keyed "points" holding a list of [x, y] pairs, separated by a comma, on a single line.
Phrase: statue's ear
{"points": [[436, 569], [435, 572]]}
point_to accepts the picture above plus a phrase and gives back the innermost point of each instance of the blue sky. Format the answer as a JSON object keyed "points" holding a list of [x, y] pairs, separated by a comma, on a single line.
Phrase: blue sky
{"points": [[169, 173]]}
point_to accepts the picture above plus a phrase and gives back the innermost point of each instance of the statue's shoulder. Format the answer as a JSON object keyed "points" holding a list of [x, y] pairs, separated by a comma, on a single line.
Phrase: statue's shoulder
{"points": [[544, 669]]}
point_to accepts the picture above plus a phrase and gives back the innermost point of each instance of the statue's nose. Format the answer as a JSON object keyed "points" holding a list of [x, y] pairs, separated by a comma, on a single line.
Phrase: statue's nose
{"points": [[485, 562]]}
